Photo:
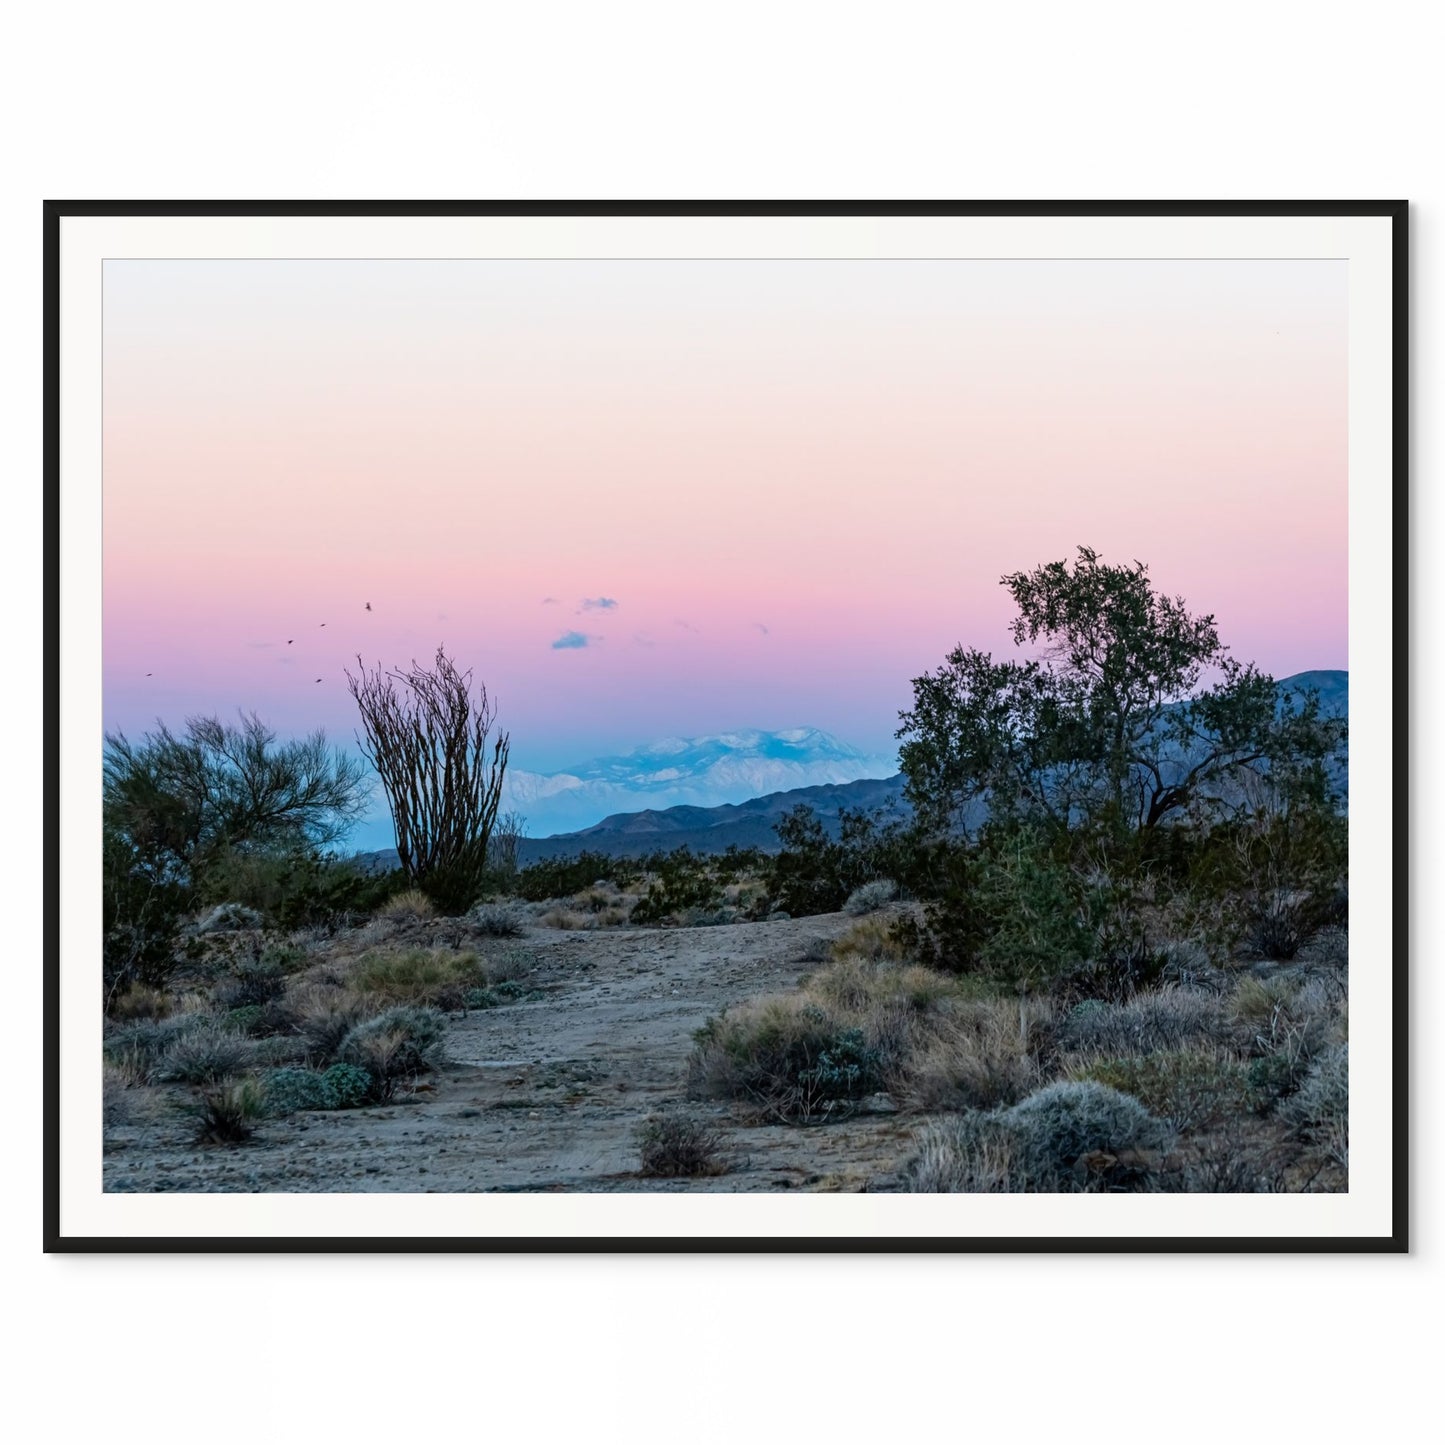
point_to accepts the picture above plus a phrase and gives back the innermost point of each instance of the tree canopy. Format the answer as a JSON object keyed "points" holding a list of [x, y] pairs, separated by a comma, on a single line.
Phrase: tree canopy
{"points": [[1131, 713]]}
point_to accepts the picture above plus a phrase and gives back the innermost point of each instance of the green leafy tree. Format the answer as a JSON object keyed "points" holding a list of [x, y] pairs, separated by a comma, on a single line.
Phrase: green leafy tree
{"points": [[1132, 714], [184, 801]]}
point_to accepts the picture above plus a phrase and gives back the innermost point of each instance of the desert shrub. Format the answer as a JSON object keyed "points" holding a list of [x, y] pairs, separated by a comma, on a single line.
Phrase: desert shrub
{"points": [[673, 1146], [229, 918], [872, 938], [683, 884], [506, 965], [296, 888], [115, 1099], [410, 903], [1319, 1110], [1290, 1023], [418, 975], [1146, 1024], [815, 872], [253, 981], [1189, 1089], [396, 1046], [292, 1090], [871, 897], [786, 1056], [551, 878], [498, 920], [324, 1020], [1055, 1128], [204, 1054], [228, 1115], [136, 1049]]}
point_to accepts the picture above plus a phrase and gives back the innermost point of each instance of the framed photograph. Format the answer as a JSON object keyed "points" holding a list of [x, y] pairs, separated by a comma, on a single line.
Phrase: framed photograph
{"points": [[725, 726]]}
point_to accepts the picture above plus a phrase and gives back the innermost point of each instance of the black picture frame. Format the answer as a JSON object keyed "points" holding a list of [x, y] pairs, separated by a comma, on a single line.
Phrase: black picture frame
{"points": [[1395, 211]]}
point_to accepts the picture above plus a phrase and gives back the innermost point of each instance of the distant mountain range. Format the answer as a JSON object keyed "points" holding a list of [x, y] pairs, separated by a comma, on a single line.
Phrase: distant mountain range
{"points": [[687, 772], [690, 763]]}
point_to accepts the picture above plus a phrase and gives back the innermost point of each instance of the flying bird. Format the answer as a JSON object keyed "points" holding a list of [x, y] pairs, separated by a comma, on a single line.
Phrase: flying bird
{"points": [[368, 607], [318, 679], [150, 674], [323, 624]]}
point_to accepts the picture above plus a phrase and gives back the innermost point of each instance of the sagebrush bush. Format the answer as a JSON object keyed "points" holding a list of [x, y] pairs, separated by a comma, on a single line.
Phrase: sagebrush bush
{"points": [[204, 1054], [785, 1056], [418, 975], [398, 1045], [1053, 1129], [674, 1146], [871, 897], [136, 1049], [498, 920]]}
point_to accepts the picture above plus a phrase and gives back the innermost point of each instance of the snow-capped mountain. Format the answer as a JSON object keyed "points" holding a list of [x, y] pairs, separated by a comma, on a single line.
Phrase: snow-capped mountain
{"points": [[701, 772]]}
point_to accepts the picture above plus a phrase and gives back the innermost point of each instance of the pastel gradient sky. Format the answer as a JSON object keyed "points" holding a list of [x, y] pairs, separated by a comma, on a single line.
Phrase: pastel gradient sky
{"points": [[797, 483]]}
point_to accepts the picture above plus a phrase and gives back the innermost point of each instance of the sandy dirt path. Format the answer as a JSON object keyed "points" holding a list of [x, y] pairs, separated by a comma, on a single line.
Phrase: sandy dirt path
{"points": [[548, 1094]]}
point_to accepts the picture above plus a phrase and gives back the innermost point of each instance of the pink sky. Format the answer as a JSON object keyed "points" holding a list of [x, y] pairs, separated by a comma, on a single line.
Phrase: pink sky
{"points": [[799, 481]]}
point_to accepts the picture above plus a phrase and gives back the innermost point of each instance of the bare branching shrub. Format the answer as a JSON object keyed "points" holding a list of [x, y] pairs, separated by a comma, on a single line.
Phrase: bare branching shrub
{"points": [[871, 897], [504, 845], [324, 1018], [431, 744], [410, 904], [674, 1146]]}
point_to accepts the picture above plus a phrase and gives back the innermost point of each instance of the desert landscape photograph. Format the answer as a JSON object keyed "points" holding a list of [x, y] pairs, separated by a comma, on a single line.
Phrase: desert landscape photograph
{"points": [[725, 726]]}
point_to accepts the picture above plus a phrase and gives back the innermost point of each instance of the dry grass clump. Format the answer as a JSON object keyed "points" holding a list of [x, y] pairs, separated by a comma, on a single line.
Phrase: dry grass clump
{"points": [[115, 1099], [674, 1146], [1146, 1024], [1065, 1138], [569, 919], [228, 1115], [1190, 1089], [418, 975], [410, 904], [1319, 1110], [980, 1054], [140, 1002], [873, 938], [324, 1017]]}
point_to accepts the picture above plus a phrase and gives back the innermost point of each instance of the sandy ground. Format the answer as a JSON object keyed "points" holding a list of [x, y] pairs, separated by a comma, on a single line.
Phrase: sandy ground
{"points": [[548, 1094]]}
